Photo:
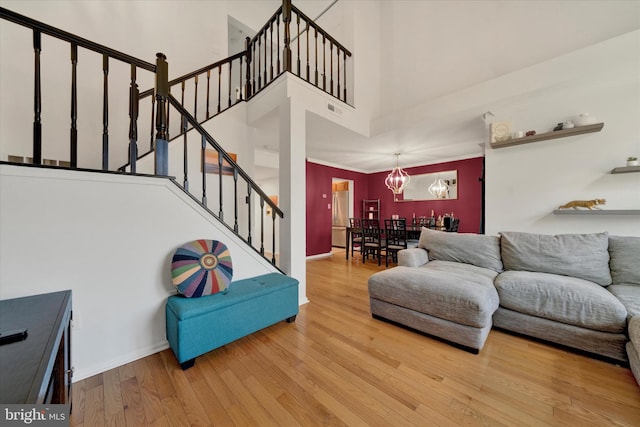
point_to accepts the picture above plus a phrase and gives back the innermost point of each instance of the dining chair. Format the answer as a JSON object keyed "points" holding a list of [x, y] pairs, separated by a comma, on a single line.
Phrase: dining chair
{"points": [[453, 226], [356, 234], [395, 232], [372, 239]]}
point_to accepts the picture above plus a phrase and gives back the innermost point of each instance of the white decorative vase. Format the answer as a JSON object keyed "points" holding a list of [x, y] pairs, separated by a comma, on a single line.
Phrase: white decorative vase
{"points": [[632, 163], [585, 119]]}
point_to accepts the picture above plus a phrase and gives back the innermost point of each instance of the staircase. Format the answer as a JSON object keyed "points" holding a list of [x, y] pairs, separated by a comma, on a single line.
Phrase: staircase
{"points": [[176, 111]]}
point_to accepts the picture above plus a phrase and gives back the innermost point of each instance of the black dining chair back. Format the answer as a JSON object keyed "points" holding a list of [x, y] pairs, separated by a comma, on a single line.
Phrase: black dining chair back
{"points": [[395, 232], [372, 239], [355, 227]]}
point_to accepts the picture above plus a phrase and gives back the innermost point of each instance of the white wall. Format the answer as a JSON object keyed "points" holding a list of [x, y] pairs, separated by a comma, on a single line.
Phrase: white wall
{"points": [[110, 239], [526, 183]]}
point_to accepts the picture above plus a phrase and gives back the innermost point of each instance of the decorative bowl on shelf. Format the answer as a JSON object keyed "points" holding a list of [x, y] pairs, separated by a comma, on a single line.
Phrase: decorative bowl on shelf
{"points": [[585, 119]]}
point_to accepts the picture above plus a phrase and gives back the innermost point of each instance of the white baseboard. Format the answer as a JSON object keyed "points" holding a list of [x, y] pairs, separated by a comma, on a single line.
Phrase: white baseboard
{"points": [[326, 255], [89, 371]]}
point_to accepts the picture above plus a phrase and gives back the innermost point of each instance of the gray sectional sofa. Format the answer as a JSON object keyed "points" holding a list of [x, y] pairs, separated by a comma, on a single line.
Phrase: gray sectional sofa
{"points": [[578, 290]]}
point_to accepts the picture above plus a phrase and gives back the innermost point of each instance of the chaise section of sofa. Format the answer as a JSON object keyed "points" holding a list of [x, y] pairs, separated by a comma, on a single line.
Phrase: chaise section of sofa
{"points": [[444, 288]]}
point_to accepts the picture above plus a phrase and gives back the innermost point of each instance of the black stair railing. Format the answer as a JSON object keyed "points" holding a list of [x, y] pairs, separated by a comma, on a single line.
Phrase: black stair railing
{"points": [[242, 206], [75, 43], [288, 42], [216, 181]]}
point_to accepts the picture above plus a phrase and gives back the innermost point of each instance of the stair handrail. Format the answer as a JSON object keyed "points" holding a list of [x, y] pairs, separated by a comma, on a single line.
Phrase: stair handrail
{"points": [[75, 41], [25, 21], [213, 143], [225, 158]]}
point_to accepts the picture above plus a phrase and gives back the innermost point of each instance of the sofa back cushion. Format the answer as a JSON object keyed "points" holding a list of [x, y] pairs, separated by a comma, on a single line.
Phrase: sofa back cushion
{"points": [[584, 256], [625, 259], [475, 249]]}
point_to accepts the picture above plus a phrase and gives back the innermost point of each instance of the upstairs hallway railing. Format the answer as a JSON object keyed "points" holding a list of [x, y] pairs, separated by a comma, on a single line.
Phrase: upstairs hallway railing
{"points": [[313, 55]]}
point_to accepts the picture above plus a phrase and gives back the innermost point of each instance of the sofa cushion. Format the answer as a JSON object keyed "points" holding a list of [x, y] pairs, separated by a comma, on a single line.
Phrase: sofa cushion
{"points": [[457, 292], [625, 259], [577, 255], [564, 299], [629, 296], [475, 249], [413, 257]]}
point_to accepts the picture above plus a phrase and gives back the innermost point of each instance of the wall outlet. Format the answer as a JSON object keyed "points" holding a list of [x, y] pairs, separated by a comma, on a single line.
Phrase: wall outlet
{"points": [[76, 322]]}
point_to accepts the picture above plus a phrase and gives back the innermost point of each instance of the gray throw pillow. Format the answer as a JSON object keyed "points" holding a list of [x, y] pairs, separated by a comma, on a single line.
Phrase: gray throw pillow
{"points": [[475, 249], [625, 259], [584, 256]]}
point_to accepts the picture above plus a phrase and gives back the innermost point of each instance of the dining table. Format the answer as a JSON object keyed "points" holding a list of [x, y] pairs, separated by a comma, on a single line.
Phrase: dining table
{"points": [[413, 233]]}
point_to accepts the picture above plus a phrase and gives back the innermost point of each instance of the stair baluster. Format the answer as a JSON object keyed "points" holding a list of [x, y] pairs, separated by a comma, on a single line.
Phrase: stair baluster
{"points": [[73, 137], [278, 44], [204, 174], [220, 197], [247, 89], [235, 199], [261, 225], [208, 85], [195, 97], [133, 121], [249, 211], [229, 99], [271, 50], [331, 65], [37, 100], [219, 85], [105, 112]]}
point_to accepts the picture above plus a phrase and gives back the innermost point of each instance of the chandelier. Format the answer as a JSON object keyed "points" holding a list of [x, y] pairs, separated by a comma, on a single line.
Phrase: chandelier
{"points": [[439, 189], [398, 179]]}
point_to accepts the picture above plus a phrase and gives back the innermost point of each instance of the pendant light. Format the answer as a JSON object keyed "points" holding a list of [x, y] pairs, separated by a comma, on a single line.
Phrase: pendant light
{"points": [[398, 179]]}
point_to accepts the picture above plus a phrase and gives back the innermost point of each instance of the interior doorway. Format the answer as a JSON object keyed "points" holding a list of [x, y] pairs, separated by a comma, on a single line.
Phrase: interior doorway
{"points": [[341, 210]]}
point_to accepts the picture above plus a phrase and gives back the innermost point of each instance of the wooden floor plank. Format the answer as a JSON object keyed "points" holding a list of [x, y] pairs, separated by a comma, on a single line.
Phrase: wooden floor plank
{"points": [[113, 406], [148, 391], [132, 401], [336, 365], [94, 406]]}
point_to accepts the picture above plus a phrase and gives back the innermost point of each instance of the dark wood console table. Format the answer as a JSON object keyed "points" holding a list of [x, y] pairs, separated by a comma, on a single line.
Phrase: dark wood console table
{"points": [[37, 369]]}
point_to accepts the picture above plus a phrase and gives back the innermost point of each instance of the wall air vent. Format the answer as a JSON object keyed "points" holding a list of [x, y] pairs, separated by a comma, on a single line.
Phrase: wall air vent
{"points": [[334, 109]]}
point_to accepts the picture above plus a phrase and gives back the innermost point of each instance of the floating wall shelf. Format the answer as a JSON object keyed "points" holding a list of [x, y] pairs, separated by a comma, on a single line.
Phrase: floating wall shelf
{"points": [[597, 212], [626, 169], [578, 130]]}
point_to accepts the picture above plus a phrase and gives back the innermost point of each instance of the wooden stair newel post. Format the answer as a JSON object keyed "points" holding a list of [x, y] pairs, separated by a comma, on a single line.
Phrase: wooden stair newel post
{"points": [[286, 19], [162, 91]]}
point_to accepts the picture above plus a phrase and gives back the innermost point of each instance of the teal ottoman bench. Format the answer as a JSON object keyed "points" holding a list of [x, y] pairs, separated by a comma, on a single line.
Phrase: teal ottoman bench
{"points": [[198, 325]]}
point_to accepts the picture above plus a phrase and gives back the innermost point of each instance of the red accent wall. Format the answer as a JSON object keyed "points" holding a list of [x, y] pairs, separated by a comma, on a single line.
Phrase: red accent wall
{"points": [[319, 179], [468, 206]]}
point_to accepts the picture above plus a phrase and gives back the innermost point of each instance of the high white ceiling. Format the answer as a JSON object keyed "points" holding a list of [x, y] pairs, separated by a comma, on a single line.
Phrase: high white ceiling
{"points": [[437, 57]]}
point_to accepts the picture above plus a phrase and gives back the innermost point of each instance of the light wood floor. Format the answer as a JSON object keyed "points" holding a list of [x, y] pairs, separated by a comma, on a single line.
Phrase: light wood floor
{"points": [[337, 366]]}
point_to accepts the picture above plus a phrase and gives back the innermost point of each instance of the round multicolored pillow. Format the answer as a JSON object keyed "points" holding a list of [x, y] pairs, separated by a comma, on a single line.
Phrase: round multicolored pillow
{"points": [[201, 267]]}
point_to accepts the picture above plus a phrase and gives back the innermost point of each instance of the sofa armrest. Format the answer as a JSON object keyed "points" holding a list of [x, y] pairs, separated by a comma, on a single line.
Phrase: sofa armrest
{"points": [[413, 257]]}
